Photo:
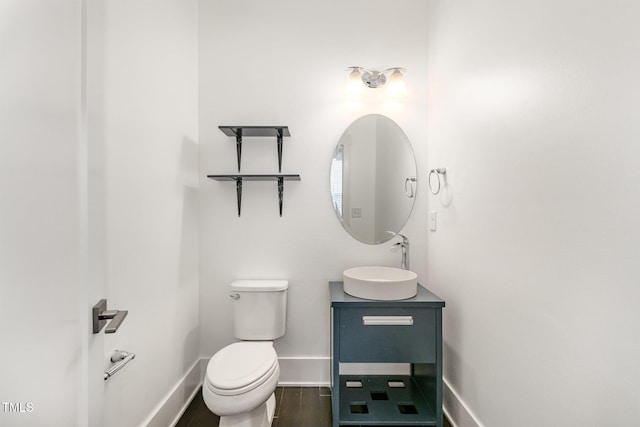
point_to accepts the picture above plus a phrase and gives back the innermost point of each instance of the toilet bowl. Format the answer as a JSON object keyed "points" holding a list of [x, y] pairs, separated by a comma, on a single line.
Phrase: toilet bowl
{"points": [[239, 381], [241, 378]]}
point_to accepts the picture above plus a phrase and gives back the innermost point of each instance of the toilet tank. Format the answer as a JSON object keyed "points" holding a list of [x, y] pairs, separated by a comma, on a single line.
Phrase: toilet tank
{"points": [[259, 309]]}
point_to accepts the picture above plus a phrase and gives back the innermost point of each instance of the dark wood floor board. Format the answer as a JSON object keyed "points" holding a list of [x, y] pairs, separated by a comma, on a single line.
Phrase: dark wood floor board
{"points": [[279, 391], [304, 406], [295, 407], [197, 414]]}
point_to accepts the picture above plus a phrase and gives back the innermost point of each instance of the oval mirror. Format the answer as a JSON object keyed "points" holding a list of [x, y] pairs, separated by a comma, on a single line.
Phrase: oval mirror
{"points": [[373, 179]]}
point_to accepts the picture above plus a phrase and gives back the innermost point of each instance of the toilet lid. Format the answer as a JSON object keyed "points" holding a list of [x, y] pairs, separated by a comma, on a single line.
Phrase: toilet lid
{"points": [[241, 364]]}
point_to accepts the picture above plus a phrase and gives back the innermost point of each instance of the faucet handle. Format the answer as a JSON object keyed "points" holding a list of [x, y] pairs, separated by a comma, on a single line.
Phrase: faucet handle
{"points": [[404, 238]]}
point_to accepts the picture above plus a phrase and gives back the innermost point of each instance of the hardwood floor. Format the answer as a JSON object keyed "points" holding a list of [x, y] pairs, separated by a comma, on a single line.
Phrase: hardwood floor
{"points": [[295, 407]]}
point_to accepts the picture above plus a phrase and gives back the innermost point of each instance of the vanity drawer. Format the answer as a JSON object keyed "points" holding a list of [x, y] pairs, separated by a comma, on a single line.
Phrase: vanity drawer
{"points": [[393, 335]]}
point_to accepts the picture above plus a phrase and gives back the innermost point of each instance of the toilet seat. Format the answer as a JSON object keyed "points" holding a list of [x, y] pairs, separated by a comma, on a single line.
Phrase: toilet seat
{"points": [[241, 367]]}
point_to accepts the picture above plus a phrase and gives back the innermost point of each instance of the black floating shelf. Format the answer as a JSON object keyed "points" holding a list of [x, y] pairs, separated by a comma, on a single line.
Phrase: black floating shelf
{"points": [[239, 132], [280, 178]]}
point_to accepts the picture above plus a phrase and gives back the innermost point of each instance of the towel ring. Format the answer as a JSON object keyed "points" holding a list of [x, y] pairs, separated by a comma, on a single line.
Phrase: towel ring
{"points": [[438, 172], [408, 187]]}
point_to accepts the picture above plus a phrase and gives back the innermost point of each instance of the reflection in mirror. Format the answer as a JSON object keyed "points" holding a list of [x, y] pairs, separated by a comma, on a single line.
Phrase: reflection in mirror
{"points": [[373, 179]]}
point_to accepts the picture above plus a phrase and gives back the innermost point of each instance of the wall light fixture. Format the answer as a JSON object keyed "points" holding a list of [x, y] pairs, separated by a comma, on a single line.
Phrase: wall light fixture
{"points": [[374, 79]]}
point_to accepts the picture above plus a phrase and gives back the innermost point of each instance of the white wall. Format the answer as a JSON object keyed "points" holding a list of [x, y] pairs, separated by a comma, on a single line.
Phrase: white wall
{"points": [[533, 111], [285, 62], [143, 148], [392, 203], [359, 179], [42, 218]]}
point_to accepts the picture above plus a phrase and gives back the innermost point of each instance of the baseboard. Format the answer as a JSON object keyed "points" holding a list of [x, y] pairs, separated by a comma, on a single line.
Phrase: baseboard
{"points": [[456, 409], [304, 371], [171, 408]]}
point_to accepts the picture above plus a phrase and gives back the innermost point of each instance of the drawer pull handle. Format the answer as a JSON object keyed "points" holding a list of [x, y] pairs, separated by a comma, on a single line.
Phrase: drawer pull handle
{"points": [[387, 320]]}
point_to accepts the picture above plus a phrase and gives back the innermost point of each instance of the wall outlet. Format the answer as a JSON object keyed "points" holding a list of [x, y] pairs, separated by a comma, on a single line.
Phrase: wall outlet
{"points": [[433, 218]]}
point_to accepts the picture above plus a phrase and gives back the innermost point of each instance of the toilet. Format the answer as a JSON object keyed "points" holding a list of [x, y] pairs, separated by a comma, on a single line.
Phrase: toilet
{"points": [[241, 378]]}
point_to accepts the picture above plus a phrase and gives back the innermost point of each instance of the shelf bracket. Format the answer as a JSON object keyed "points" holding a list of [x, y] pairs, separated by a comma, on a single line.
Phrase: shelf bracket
{"points": [[239, 132], [280, 192], [239, 147], [239, 179], [280, 152], [239, 192]]}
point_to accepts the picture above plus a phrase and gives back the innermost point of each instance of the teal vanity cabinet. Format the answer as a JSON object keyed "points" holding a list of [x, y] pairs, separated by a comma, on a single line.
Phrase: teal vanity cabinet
{"points": [[407, 331]]}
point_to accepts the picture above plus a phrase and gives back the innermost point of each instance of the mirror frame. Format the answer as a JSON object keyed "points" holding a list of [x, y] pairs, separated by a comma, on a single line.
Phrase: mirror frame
{"points": [[377, 236]]}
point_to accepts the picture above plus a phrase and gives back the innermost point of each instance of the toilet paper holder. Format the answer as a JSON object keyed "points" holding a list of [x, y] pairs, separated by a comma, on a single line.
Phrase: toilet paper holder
{"points": [[120, 358]]}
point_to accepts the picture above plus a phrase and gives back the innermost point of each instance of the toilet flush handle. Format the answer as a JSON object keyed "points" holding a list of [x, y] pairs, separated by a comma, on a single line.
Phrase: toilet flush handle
{"points": [[234, 296]]}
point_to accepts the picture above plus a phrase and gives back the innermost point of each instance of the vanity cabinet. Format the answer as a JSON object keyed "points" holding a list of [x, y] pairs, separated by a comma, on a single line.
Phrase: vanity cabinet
{"points": [[408, 332]]}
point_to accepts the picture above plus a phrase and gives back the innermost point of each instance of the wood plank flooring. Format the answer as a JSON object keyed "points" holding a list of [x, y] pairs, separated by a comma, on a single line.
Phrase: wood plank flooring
{"points": [[295, 407]]}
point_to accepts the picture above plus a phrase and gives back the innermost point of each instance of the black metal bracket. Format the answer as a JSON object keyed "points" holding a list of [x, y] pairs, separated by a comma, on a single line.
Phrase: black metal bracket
{"points": [[249, 131], [239, 192], [279, 147], [239, 179], [239, 147], [280, 193]]}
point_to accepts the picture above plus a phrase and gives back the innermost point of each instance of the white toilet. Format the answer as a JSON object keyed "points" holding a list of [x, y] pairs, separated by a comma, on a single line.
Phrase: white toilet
{"points": [[242, 377]]}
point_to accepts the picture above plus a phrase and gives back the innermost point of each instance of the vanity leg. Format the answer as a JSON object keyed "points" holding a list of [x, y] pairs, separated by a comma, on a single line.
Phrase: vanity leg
{"points": [[439, 361], [428, 376], [335, 369]]}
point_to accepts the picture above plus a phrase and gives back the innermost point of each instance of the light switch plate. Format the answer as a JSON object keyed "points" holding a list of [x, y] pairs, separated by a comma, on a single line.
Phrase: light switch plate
{"points": [[433, 217]]}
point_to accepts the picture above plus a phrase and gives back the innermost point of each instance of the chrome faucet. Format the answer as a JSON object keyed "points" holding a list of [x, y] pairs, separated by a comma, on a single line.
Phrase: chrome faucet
{"points": [[404, 247]]}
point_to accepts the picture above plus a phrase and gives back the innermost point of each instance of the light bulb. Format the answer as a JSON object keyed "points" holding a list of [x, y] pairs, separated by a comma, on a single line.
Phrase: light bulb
{"points": [[396, 82], [355, 85]]}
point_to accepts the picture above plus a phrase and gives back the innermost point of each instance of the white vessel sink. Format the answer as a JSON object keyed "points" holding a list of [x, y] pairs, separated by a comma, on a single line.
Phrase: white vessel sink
{"points": [[380, 283]]}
